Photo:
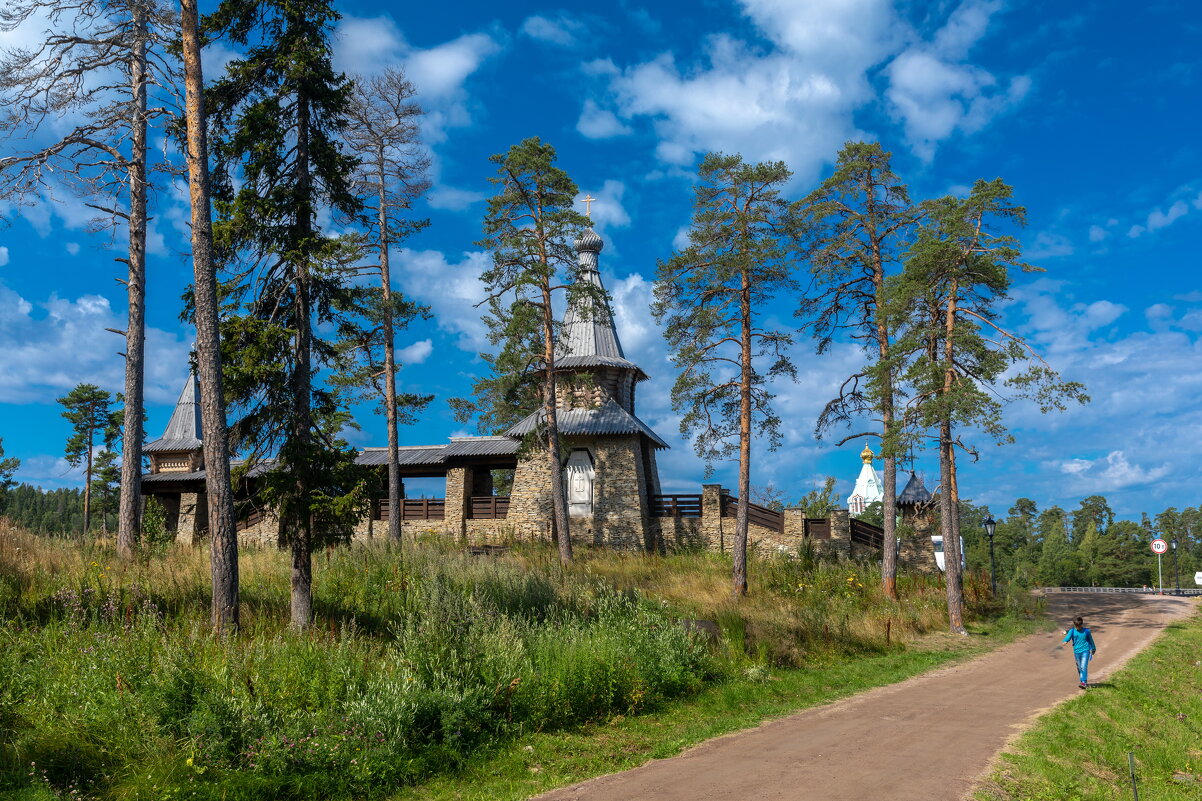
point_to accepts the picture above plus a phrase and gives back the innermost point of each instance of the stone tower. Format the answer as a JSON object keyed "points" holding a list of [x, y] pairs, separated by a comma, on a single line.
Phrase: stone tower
{"points": [[610, 472], [915, 509], [177, 462]]}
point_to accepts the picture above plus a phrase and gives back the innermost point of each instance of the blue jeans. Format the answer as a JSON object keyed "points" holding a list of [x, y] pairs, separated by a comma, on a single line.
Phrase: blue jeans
{"points": [[1083, 665]]}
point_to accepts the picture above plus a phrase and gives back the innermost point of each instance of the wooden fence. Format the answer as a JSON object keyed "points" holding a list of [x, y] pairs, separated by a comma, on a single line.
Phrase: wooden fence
{"points": [[867, 534], [488, 507], [412, 509], [253, 517], [759, 515], [676, 506], [818, 528]]}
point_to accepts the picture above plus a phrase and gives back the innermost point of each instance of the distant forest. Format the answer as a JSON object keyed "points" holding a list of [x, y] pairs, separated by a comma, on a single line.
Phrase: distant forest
{"points": [[56, 512]]}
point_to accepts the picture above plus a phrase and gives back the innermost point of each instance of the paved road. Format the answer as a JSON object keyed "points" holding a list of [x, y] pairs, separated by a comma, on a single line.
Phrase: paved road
{"points": [[926, 739]]}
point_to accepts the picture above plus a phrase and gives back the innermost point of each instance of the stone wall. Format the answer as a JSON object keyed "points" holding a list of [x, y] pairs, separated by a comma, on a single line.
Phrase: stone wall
{"points": [[192, 521]]}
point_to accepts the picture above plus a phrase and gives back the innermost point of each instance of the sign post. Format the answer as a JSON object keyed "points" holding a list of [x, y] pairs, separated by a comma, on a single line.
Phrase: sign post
{"points": [[1159, 546]]}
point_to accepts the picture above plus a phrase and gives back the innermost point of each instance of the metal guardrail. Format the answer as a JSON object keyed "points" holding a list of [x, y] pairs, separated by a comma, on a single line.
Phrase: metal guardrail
{"points": [[1134, 590]]}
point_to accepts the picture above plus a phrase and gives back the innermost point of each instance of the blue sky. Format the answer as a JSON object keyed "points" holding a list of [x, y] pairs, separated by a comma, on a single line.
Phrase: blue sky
{"points": [[1090, 110]]}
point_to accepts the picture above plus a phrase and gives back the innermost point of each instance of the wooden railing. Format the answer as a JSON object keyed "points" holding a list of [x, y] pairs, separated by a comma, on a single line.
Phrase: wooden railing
{"points": [[867, 534], [488, 507], [818, 528], [254, 516], [676, 506], [412, 509], [758, 515]]}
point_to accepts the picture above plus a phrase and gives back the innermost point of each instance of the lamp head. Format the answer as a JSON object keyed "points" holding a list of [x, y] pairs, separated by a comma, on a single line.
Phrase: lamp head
{"points": [[990, 524], [1173, 543]]}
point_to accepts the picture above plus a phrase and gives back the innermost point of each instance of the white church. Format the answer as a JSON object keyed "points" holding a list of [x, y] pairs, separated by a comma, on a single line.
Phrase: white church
{"points": [[869, 487]]}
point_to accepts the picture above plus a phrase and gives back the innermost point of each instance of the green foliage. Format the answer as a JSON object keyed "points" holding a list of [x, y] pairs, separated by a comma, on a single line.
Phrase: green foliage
{"points": [[276, 116], [530, 229], [8, 467], [55, 512], [819, 502], [154, 524], [1151, 708], [854, 229], [712, 296], [87, 409]]}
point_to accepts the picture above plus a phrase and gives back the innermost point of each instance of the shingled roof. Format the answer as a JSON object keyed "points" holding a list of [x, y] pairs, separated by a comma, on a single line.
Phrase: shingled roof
{"points": [[183, 432], [915, 491], [608, 418], [588, 337]]}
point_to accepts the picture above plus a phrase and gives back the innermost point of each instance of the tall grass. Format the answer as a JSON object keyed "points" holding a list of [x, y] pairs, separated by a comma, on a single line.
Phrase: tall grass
{"points": [[112, 685]]}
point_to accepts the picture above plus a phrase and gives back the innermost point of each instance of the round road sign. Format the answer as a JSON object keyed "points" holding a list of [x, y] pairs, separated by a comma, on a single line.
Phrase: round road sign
{"points": [[1159, 546]]}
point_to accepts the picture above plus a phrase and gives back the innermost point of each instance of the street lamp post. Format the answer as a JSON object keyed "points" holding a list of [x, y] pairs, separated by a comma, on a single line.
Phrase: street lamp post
{"points": [[990, 525], [1176, 576]]}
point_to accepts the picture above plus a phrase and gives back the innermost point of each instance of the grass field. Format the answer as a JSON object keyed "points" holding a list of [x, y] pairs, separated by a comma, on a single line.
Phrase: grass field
{"points": [[1152, 708], [424, 666]]}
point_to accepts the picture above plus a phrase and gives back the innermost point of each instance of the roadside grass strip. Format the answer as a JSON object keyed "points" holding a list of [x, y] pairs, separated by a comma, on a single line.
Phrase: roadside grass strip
{"points": [[1152, 708]]}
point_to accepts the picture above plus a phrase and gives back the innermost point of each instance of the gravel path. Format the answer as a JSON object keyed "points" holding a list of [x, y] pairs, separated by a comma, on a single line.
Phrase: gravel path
{"points": [[926, 739]]}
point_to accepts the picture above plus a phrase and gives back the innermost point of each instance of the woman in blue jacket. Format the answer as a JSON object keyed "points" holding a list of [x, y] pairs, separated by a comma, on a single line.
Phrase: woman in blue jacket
{"points": [[1083, 648]]}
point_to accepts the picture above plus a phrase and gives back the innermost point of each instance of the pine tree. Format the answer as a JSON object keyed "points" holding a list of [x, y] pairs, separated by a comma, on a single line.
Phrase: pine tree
{"points": [[956, 275], [225, 612], [98, 66], [277, 115], [8, 468], [87, 409], [382, 132], [854, 229], [713, 295], [529, 228]]}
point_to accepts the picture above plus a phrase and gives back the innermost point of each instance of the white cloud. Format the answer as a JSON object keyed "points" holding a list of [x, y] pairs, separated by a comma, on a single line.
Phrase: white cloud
{"points": [[599, 123], [3, 255], [561, 30], [1110, 473], [416, 353], [1048, 246], [73, 248], [49, 472], [452, 199], [43, 356], [369, 45], [935, 93], [608, 210], [1158, 219], [1097, 233], [451, 289]]}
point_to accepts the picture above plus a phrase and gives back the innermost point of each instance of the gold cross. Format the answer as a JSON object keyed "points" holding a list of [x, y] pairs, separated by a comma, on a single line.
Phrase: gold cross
{"points": [[588, 205]]}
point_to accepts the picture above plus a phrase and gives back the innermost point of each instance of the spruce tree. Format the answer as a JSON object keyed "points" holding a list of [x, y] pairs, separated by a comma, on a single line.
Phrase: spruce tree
{"points": [[713, 296], [276, 116], [8, 468]]}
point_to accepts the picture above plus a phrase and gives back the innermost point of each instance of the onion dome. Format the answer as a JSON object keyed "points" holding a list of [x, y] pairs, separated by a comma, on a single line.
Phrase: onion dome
{"points": [[867, 455], [589, 242]]}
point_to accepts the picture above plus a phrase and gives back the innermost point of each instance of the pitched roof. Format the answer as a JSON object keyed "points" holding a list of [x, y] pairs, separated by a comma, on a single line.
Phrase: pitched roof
{"points": [[183, 432], [915, 491], [608, 418], [588, 337]]}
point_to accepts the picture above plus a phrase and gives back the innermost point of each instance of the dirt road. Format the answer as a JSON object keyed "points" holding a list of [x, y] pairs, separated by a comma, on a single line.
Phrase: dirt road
{"points": [[926, 739]]}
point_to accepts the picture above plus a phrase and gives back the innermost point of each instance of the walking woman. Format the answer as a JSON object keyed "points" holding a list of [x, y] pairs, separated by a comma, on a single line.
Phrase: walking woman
{"points": [[1083, 648]]}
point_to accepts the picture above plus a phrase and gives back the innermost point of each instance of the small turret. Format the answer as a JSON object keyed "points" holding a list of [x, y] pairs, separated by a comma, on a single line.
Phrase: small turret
{"points": [[181, 448]]}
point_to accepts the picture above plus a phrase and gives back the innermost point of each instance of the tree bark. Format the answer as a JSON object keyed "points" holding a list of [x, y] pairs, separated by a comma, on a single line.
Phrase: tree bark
{"points": [[739, 552], [87, 486], [394, 467], [559, 505], [128, 522], [302, 534], [889, 502], [949, 500], [223, 556]]}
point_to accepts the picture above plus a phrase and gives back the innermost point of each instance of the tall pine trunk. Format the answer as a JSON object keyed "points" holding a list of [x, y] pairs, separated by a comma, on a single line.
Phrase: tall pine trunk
{"points": [[739, 569], [128, 528], [223, 556], [302, 379], [394, 466], [559, 502], [87, 488], [949, 500]]}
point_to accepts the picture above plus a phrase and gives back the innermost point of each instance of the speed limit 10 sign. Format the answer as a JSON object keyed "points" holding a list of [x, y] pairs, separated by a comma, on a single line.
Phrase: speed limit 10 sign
{"points": [[1159, 546]]}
